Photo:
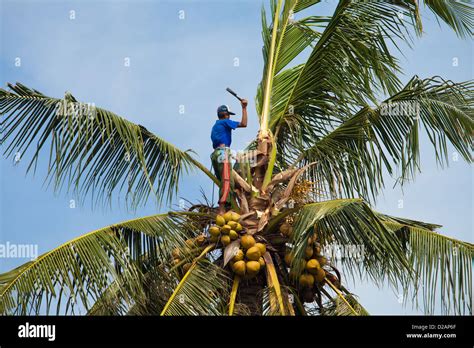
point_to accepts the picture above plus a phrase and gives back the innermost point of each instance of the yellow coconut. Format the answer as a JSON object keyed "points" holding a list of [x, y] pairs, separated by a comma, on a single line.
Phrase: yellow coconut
{"points": [[232, 225], [220, 220], [239, 268], [225, 229], [261, 247], [306, 280], [253, 253], [235, 217], [319, 275], [312, 266], [215, 231], [253, 267], [214, 239], [238, 228], [225, 240], [233, 235], [261, 261], [239, 255], [228, 216], [247, 241], [308, 252]]}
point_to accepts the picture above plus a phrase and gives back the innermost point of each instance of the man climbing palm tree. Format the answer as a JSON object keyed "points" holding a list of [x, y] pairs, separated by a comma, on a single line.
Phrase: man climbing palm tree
{"points": [[221, 136]]}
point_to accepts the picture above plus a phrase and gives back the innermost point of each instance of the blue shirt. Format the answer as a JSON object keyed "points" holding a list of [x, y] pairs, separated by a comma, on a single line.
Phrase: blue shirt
{"points": [[221, 132]]}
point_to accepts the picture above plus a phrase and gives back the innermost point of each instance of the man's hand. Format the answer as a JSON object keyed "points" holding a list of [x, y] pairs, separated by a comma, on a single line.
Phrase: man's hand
{"points": [[243, 123]]}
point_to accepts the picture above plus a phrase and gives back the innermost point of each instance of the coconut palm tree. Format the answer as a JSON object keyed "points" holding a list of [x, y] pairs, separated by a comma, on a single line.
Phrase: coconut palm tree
{"points": [[307, 182]]}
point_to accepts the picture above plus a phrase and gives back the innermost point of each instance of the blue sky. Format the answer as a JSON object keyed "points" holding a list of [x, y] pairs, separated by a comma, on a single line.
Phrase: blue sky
{"points": [[187, 62]]}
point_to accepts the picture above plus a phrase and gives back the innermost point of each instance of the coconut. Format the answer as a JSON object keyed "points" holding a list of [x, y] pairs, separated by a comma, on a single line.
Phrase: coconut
{"points": [[308, 252], [312, 266], [253, 253], [238, 228], [232, 225], [228, 216], [261, 247], [253, 267], [176, 261], [239, 268], [235, 217], [238, 256], [247, 241], [225, 240], [261, 261], [288, 259], [225, 229], [220, 221], [214, 239], [233, 235], [214, 231], [319, 275], [306, 280]]}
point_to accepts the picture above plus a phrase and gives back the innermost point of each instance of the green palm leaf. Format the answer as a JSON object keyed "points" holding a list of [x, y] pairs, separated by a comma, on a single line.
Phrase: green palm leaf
{"points": [[458, 14], [204, 292], [443, 266], [91, 150], [81, 270], [355, 154], [351, 222]]}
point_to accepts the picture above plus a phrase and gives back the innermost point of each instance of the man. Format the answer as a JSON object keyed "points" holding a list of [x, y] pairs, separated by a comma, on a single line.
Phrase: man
{"points": [[221, 136]]}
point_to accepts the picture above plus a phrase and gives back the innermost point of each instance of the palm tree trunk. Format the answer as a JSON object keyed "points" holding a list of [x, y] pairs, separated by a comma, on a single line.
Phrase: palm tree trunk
{"points": [[250, 295]]}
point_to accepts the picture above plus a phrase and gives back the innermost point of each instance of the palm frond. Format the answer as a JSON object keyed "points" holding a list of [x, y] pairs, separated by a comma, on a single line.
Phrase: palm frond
{"points": [[204, 291], [458, 14], [351, 223], [339, 307], [351, 159], [81, 270], [443, 267], [91, 150]]}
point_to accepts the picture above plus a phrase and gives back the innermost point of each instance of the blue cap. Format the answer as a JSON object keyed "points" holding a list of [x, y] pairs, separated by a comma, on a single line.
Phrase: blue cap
{"points": [[224, 108]]}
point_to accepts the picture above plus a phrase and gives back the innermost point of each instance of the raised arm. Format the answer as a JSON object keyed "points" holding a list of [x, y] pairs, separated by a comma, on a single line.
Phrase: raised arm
{"points": [[243, 122]]}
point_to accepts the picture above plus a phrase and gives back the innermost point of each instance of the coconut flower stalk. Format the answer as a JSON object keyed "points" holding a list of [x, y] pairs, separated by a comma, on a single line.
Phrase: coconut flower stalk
{"points": [[319, 160]]}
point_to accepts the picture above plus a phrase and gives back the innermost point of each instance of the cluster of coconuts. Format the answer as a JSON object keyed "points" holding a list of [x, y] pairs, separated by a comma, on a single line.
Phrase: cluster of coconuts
{"points": [[313, 273], [248, 261], [178, 254], [226, 229]]}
